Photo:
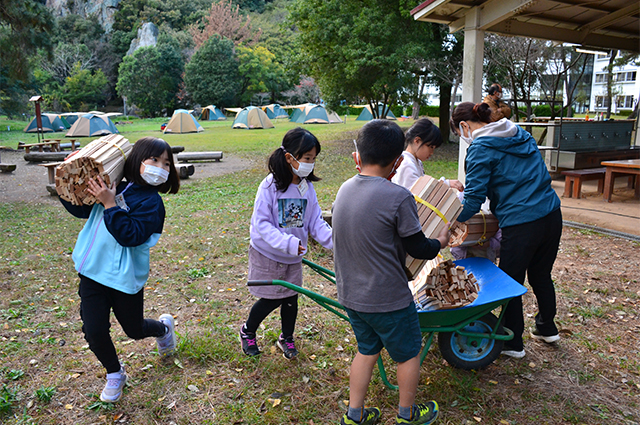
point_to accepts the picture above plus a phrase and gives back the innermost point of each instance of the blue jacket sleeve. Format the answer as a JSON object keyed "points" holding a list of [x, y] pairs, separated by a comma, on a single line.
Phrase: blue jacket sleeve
{"points": [[478, 165], [134, 227], [78, 211]]}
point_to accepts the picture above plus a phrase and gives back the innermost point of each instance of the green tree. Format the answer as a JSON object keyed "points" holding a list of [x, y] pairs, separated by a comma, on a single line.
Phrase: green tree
{"points": [[24, 27], [84, 89], [355, 55], [259, 72], [151, 77], [212, 75]]}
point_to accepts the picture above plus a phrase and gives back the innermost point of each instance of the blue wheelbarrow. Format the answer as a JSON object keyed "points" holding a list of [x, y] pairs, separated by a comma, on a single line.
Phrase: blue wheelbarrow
{"points": [[470, 337]]}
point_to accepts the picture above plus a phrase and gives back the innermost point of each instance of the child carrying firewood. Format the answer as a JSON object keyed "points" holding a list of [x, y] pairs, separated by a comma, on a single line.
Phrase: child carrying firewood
{"points": [[375, 224], [111, 256]]}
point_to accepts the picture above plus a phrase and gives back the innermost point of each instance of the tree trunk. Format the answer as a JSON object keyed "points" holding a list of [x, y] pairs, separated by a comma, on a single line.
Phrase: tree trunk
{"points": [[445, 99]]}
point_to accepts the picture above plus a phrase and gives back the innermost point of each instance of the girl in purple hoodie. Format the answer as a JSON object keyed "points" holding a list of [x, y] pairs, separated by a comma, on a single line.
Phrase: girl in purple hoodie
{"points": [[285, 213]]}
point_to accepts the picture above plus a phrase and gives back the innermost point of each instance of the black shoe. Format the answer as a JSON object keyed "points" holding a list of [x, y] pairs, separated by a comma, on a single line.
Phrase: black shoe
{"points": [[549, 339], [287, 346], [249, 343]]}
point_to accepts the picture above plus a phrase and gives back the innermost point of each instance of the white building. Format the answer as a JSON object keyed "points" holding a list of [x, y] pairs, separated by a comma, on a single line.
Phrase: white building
{"points": [[626, 86]]}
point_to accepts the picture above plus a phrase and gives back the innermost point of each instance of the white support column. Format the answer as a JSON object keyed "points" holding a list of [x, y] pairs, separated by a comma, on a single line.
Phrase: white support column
{"points": [[471, 71]]}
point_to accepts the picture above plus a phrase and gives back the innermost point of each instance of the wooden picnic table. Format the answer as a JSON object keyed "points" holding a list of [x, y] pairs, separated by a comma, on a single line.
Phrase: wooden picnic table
{"points": [[54, 145], [627, 167], [71, 141]]}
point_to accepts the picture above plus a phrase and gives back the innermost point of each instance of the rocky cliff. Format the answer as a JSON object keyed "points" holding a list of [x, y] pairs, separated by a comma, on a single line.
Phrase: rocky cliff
{"points": [[102, 10]]}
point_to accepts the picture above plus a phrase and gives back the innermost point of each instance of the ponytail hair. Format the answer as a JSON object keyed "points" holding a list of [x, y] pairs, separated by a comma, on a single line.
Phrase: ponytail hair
{"points": [[426, 130], [297, 142], [469, 111]]}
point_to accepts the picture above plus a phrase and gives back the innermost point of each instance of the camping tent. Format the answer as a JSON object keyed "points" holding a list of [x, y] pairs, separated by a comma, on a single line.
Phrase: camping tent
{"points": [[212, 113], [71, 117], [183, 122], [314, 114], [50, 122], [366, 114], [91, 125], [250, 118], [275, 111]]}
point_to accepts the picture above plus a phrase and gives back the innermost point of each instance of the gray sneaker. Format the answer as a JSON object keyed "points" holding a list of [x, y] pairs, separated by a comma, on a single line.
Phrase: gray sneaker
{"points": [[115, 384], [167, 342]]}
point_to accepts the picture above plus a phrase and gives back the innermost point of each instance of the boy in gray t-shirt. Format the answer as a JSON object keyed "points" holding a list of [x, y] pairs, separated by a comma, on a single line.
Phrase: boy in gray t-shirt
{"points": [[375, 224]]}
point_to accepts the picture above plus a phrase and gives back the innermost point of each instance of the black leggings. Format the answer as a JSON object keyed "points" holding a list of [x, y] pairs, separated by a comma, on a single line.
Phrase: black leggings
{"points": [[96, 303], [262, 308]]}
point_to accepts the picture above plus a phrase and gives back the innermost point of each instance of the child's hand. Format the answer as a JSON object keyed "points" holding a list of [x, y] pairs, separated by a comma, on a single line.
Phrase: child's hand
{"points": [[444, 236], [456, 184], [104, 194], [300, 249]]}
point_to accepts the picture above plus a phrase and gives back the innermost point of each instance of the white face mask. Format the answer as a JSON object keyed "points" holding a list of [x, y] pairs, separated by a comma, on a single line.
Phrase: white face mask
{"points": [[153, 175], [304, 168], [467, 139]]}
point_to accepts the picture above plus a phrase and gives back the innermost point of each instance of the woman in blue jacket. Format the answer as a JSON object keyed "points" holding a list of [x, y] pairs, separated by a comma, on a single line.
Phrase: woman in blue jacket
{"points": [[504, 164], [111, 256]]}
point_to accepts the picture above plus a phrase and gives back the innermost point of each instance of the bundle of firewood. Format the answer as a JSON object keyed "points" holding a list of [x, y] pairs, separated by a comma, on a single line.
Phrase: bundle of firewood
{"points": [[478, 229], [446, 286], [103, 157], [442, 198]]}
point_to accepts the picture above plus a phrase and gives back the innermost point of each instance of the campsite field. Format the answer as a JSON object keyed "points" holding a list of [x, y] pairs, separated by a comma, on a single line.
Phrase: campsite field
{"points": [[198, 273]]}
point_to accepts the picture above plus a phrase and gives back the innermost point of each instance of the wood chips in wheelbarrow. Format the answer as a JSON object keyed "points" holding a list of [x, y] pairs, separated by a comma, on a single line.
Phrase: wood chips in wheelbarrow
{"points": [[445, 286]]}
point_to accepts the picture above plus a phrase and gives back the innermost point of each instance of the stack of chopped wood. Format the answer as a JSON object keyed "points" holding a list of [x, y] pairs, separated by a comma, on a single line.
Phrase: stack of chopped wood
{"points": [[478, 229], [446, 286], [439, 195], [103, 157]]}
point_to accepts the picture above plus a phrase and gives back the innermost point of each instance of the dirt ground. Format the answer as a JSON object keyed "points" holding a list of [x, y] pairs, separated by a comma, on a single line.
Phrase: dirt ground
{"points": [[28, 182]]}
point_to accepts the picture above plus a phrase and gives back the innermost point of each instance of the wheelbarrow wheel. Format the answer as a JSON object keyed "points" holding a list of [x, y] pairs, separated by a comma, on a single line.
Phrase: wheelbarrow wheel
{"points": [[470, 353]]}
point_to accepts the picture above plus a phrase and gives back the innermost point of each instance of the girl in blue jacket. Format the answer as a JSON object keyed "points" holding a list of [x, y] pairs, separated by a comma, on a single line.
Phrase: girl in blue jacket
{"points": [[504, 164], [111, 256]]}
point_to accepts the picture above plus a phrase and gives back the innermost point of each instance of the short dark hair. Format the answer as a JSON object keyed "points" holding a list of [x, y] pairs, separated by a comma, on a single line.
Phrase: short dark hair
{"points": [[426, 130], [297, 142], [469, 111], [144, 149], [380, 142], [494, 88]]}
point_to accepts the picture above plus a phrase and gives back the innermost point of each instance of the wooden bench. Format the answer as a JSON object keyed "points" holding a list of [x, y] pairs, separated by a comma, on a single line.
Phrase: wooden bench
{"points": [[575, 178], [51, 173], [185, 170], [199, 156], [6, 168]]}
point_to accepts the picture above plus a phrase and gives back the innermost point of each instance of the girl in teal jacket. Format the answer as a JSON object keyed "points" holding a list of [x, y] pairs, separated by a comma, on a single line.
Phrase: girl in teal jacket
{"points": [[111, 256]]}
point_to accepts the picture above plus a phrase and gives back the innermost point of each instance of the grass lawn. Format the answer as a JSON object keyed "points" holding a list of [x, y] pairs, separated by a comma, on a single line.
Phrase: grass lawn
{"points": [[198, 273]]}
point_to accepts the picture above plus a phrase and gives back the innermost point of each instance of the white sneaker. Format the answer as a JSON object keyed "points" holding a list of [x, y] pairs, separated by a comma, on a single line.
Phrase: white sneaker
{"points": [[167, 343], [513, 353], [113, 389], [549, 339]]}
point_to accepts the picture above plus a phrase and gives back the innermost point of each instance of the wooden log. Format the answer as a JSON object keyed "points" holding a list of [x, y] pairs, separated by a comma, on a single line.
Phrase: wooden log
{"points": [[199, 156], [7, 168], [45, 156], [185, 170], [177, 149]]}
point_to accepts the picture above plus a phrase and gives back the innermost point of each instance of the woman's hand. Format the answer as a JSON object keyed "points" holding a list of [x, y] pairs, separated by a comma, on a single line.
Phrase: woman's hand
{"points": [[456, 184], [104, 194]]}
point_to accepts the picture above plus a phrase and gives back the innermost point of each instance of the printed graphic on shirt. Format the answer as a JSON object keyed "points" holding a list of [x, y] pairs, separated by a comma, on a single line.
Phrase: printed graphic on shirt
{"points": [[291, 212]]}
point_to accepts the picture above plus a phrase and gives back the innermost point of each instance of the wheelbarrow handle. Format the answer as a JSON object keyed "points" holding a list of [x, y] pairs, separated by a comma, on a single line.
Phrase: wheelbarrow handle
{"points": [[260, 282]]}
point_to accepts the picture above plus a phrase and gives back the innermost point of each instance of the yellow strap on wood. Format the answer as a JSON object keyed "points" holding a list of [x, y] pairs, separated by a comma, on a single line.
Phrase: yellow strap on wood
{"points": [[434, 209], [110, 143]]}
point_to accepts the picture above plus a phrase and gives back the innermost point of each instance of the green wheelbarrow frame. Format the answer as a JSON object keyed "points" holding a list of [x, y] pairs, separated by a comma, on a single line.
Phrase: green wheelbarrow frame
{"points": [[453, 321]]}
